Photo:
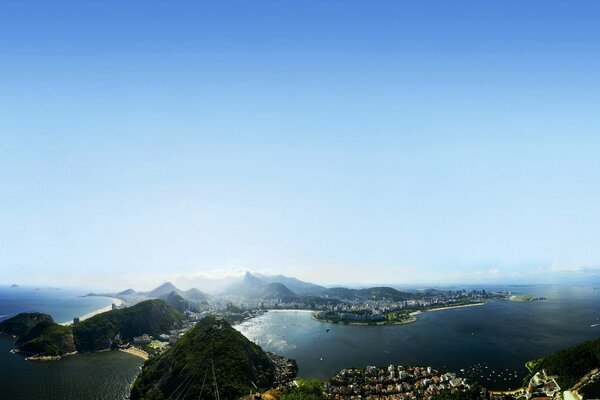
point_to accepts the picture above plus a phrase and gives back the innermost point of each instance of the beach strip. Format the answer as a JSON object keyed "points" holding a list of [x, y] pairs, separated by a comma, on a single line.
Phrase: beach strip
{"points": [[134, 351], [115, 301]]}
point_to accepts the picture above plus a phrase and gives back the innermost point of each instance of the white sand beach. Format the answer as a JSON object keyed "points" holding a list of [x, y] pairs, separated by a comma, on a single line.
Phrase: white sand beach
{"points": [[115, 301]]}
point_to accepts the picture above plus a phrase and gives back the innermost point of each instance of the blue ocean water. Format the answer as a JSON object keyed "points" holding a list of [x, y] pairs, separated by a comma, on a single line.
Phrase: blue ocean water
{"points": [[105, 375], [62, 304]]}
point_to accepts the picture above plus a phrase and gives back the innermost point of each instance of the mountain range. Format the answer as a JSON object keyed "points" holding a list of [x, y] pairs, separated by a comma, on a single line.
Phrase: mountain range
{"points": [[273, 287]]}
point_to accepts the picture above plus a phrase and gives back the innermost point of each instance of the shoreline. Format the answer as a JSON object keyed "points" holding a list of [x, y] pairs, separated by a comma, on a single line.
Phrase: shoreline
{"points": [[291, 310], [115, 301], [413, 316], [134, 351], [451, 307]]}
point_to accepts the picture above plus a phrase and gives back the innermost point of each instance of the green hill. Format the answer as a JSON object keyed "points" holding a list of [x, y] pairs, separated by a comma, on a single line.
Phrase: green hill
{"points": [[47, 339], [175, 301], [252, 287], [20, 324], [237, 363], [104, 330], [37, 334], [570, 364]]}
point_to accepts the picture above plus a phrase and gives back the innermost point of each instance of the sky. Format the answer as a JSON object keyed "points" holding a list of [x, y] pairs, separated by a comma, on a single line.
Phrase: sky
{"points": [[341, 142]]}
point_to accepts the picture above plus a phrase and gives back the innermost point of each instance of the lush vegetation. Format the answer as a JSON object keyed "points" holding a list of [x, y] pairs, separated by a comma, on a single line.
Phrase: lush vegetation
{"points": [[37, 334], [105, 330], [570, 364], [47, 339], [212, 343], [176, 301], [20, 324], [306, 390]]}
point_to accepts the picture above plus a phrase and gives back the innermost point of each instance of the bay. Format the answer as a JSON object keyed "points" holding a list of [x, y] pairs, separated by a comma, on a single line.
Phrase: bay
{"points": [[490, 343]]}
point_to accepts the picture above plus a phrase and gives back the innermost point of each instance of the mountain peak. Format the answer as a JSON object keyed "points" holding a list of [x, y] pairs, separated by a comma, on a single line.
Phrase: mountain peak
{"points": [[165, 288], [248, 277]]}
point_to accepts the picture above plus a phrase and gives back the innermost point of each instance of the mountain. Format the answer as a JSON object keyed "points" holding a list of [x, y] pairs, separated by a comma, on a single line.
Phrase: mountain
{"points": [[163, 289], [219, 285], [20, 324], [104, 330], [175, 301], [275, 291], [254, 288], [212, 345], [127, 292], [47, 339], [194, 295], [37, 334], [297, 286], [210, 285]]}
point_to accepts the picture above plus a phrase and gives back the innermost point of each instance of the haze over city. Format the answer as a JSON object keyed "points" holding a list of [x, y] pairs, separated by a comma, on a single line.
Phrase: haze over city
{"points": [[346, 143]]}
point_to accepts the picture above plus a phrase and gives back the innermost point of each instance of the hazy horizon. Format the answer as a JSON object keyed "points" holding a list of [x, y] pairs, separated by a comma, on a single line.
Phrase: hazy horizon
{"points": [[344, 143]]}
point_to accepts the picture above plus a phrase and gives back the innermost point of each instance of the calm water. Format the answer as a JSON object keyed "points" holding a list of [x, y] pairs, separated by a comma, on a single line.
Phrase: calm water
{"points": [[106, 375], [99, 376], [491, 342], [63, 305]]}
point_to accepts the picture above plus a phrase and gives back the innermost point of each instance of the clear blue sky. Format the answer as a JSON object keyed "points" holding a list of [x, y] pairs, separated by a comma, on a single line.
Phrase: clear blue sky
{"points": [[337, 141]]}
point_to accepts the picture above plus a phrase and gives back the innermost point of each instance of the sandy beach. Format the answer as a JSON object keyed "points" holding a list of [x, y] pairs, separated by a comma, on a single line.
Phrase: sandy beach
{"points": [[136, 352], [115, 301]]}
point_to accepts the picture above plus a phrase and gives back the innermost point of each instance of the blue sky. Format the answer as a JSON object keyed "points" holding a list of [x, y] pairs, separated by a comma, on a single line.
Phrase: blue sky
{"points": [[339, 142]]}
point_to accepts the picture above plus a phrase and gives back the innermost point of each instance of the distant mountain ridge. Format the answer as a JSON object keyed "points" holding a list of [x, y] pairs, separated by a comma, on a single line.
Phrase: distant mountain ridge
{"points": [[254, 288], [301, 288], [280, 287]]}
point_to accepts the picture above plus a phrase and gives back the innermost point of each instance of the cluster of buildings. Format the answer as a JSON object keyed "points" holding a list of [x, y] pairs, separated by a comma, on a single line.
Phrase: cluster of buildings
{"points": [[541, 387], [167, 339], [393, 382], [286, 370], [360, 315]]}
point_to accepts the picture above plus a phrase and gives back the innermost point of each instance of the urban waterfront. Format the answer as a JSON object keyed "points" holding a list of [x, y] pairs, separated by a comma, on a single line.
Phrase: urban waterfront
{"points": [[490, 343]]}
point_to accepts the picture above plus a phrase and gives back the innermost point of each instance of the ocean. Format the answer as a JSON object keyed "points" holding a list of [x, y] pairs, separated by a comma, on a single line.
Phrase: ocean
{"points": [[62, 304], [488, 343], [102, 376]]}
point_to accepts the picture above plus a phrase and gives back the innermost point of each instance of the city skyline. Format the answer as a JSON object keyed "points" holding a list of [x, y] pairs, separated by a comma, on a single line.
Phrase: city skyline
{"points": [[344, 143]]}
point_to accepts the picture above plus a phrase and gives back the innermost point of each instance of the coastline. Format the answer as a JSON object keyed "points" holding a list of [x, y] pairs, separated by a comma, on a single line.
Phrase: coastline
{"points": [[115, 301], [379, 323], [134, 351], [413, 316], [458, 306]]}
